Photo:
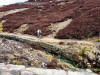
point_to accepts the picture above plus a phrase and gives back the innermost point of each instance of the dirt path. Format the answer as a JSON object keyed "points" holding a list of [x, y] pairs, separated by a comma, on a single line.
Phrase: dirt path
{"points": [[45, 40], [58, 26], [11, 12]]}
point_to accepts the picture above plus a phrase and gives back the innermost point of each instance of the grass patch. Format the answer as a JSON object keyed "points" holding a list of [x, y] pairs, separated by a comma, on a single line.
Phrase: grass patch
{"points": [[1, 27], [98, 40]]}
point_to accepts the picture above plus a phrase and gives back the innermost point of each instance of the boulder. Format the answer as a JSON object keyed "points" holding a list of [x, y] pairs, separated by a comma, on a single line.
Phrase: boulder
{"points": [[21, 70]]}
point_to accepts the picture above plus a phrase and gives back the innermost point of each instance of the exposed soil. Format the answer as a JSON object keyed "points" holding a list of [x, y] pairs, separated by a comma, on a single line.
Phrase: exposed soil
{"points": [[14, 6], [11, 12], [58, 26]]}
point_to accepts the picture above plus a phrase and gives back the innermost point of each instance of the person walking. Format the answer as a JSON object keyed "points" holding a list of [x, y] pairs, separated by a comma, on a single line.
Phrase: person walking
{"points": [[39, 33]]}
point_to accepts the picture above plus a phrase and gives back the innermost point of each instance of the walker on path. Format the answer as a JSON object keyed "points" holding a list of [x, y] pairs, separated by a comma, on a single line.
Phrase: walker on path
{"points": [[39, 33]]}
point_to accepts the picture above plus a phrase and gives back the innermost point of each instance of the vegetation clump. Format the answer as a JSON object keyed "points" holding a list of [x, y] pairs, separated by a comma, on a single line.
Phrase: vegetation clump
{"points": [[86, 24], [1, 27]]}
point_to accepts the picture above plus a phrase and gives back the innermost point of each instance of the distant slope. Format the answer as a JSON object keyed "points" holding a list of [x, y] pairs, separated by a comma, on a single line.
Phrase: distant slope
{"points": [[86, 24], [85, 21]]}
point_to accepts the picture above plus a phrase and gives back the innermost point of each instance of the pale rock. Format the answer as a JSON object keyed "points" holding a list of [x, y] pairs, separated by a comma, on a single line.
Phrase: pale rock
{"points": [[88, 70], [40, 71], [15, 69], [26, 73], [3, 69], [80, 73]]}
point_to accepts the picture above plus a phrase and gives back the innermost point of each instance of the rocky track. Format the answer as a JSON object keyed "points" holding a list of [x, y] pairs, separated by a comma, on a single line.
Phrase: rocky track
{"points": [[34, 38], [60, 47]]}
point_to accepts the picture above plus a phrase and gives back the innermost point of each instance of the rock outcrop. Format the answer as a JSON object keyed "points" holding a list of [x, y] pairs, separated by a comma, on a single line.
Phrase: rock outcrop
{"points": [[22, 70], [81, 52], [23, 54]]}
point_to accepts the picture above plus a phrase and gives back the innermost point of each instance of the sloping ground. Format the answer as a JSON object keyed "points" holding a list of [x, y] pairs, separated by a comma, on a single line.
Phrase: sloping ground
{"points": [[21, 29], [85, 21], [11, 12], [14, 52], [84, 54], [55, 27], [86, 25], [39, 17], [14, 6]]}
